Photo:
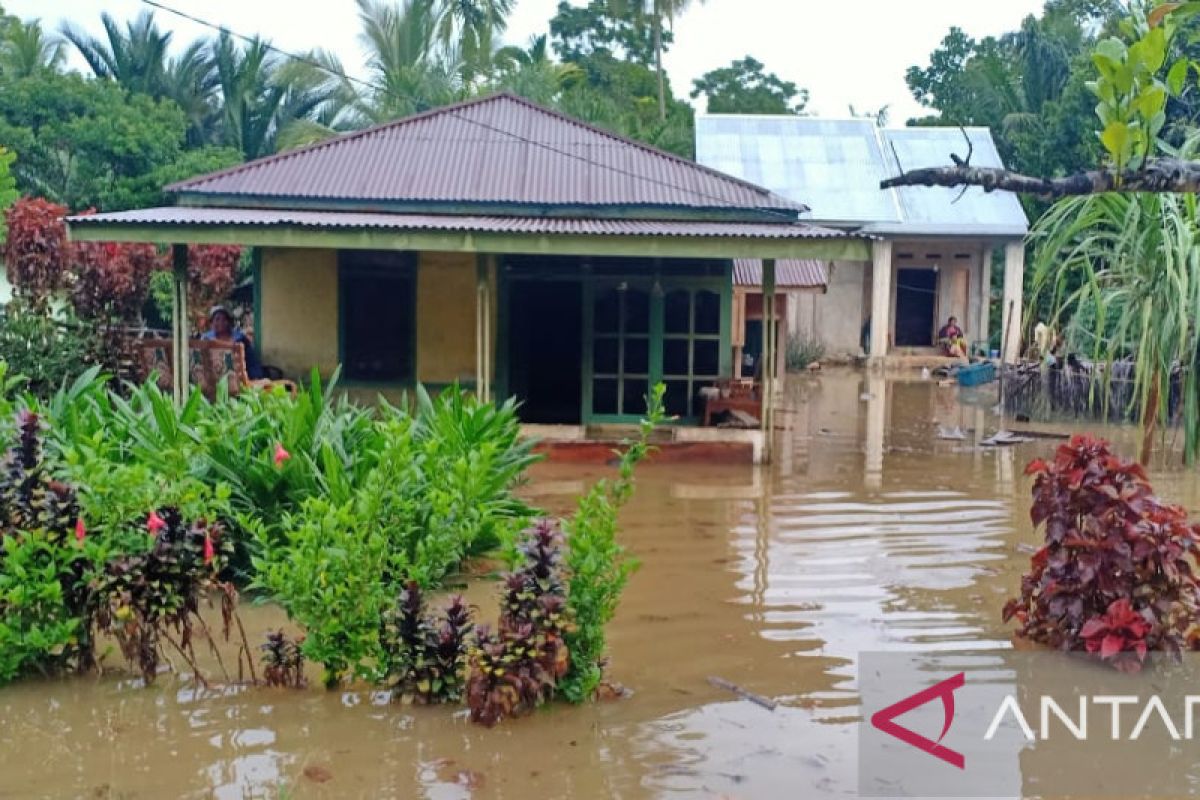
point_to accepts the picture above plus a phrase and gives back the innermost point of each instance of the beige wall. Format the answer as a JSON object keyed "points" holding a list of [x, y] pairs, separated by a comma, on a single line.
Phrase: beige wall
{"points": [[299, 312], [446, 317], [835, 317]]}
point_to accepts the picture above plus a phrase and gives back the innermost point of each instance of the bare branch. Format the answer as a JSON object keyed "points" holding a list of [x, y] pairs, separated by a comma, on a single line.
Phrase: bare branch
{"points": [[1157, 175]]}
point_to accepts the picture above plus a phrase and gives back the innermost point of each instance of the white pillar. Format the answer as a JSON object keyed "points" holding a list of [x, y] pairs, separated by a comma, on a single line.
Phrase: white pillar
{"points": [[1014, 286], [179, 325], [985, 296], [881, 298]]}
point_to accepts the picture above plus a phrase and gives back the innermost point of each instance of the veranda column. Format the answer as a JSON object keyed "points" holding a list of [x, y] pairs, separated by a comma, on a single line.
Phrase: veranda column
{"points": [[985, 297], [179, 324], [1011, 312], [881, 299], [768, 357], [483, 328]]}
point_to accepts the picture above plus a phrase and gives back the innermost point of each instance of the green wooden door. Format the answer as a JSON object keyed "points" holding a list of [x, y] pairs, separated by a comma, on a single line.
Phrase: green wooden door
{"points": [[638, 332]]}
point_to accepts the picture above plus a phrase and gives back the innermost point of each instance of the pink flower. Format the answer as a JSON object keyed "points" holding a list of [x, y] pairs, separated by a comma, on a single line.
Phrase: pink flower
{"points": [[80, 530], [281, 455], [209, 553], [155, 523]]}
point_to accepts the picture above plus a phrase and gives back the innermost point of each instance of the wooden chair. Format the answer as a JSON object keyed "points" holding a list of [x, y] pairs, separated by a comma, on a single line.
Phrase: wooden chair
{"points": [[738, 394], [209, 363]]}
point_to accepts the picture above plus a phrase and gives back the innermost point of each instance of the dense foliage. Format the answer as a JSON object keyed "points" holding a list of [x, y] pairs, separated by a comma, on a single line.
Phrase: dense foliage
{"points": [[1117, 573], [155, 110], [122, 521]]}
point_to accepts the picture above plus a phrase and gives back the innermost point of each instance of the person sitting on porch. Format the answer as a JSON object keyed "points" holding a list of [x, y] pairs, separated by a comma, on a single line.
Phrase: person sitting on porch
{"points": [[221, 329], [952, 339]]}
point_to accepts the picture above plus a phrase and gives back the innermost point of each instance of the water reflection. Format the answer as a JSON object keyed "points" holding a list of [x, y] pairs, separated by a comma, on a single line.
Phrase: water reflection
{"points": [[869, 533]]}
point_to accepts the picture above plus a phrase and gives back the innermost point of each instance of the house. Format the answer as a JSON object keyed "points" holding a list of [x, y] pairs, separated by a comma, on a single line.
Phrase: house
{"points": [[933, 248], [794, 278], [501, 245]]}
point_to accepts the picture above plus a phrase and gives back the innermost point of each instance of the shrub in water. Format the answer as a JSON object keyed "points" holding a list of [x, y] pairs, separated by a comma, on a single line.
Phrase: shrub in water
{"points": [[1116, 574], [426, 656]]}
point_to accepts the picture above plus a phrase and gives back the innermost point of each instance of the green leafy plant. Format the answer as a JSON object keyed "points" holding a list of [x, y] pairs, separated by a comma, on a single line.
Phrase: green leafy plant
{"points": [[598, 565], [803, 350]]}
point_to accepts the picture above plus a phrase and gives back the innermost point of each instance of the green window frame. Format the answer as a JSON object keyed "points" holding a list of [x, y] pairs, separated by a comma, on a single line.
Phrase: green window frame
{"points": [[377, 332]]}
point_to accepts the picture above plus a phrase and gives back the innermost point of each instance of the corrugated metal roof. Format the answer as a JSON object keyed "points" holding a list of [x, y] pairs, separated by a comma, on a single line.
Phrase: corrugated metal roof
{"points": [[790, 273], [169, 216], [837, 165], [501, 149], [929, 210]]}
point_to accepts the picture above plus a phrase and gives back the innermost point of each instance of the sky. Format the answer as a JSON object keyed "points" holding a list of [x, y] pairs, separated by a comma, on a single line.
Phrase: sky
{"points": [[844, 53]]}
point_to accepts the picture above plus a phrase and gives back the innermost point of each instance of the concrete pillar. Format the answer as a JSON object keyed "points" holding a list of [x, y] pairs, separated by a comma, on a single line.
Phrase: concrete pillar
{"points": [[876, 389], [881, 298], [179, 325], [985, 297], [1014, 287]]}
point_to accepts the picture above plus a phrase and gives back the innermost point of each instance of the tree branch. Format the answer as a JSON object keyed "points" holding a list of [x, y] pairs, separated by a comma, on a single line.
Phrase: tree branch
{"points": [[1157, 175]]}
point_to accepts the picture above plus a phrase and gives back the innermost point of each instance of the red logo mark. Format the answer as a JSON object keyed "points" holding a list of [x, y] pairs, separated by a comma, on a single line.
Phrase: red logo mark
{"points": [[885, 720]]}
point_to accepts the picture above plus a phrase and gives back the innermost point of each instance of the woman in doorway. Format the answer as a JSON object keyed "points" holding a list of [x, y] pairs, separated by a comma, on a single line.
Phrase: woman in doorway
{"points": [[953, 340]]}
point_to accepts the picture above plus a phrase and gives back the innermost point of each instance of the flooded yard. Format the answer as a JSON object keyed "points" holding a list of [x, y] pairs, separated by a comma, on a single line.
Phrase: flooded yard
{"points": [[868, 533]]}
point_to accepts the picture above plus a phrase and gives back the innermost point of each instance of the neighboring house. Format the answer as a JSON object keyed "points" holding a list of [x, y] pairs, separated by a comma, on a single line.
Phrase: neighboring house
{"points": [[932, 257], [796, 280], [494, 243]]}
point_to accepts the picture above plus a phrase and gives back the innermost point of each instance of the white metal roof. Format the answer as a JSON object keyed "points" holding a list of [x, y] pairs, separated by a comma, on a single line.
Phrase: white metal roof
{"points": [[835, 166]]}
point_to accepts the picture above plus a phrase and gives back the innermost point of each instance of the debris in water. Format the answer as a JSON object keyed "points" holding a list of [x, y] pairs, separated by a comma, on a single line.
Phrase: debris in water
{"points": [[1003, 438], [956, 433], [745, 694], [469, 778], [317, 774]]}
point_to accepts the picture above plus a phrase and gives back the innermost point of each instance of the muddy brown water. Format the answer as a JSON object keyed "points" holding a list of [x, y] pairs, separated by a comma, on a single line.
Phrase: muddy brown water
{"points": [[868, 533]]}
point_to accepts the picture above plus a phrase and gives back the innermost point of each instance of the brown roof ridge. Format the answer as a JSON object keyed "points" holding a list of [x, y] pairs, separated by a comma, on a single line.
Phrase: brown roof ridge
{"points": [[198, 181]]}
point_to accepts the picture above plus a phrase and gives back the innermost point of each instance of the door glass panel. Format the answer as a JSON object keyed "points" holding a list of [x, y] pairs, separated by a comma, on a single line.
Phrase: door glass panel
{"points": [[708, 312], [635, 396], [604, 396], [675, 357], [637, 356], [676, 398], [706, 357], [604, 355], [676, 312], [637, 311]]}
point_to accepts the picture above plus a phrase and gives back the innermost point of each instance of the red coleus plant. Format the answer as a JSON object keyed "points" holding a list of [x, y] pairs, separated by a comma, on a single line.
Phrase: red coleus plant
{"points": [[1116, 574], [1119, 636], [37, 253]]}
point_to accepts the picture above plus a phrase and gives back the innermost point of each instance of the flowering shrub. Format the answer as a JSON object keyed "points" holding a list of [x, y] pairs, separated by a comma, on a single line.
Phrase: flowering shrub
{"points": [[1116, 575]]}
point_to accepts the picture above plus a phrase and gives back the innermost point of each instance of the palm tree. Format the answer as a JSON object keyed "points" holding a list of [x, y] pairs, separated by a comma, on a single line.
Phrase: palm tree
{"points": [[657, 13], [26, 50], [135, 57], [191, 81], [263, 94], [410, 67], [531, 72], [471, 27]]}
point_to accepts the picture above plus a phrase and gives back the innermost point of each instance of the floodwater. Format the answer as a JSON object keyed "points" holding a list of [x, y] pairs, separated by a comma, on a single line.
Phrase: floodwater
{"points": [[868, 533]]}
